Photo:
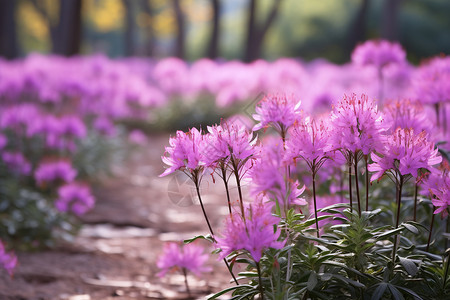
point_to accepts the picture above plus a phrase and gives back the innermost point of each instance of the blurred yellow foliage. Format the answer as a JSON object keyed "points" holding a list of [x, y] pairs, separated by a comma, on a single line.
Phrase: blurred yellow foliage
{"points": [[164, 22], [104, 15], [33, 22]]}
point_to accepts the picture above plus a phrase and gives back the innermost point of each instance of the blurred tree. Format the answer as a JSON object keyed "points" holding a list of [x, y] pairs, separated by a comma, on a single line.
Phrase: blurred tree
{"points": [[65, 29], [257, 32], [389, 20], [148, 28], [8, 34], [213, 48], [180, 25], [357, 30], [130, 28]]}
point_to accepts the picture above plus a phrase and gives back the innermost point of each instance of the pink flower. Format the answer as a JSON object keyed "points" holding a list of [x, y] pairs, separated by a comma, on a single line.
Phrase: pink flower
{"points": [[255, 234], [432, 82], [16, 162], [268, 176], [404, 153], [378, 53], [310, 141], [189, 257], [185, 152], [356, 125], [51, 171], [104, 125], [405, 114], [75, 197], [438, 185], [7, 259], [280, 111], [226, 140], [137, 137]]}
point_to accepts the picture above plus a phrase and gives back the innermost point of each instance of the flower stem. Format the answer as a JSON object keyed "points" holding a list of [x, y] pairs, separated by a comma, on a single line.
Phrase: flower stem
{"points": [[367, 182], [380, 85], [415, 201], [238, 182], [197, 186], [357, 184], [399, 203], [350, 184], [436, 109], [261, 289], [315, 203], [224, 174], [446, 231], [431, 230], [186, 282]]}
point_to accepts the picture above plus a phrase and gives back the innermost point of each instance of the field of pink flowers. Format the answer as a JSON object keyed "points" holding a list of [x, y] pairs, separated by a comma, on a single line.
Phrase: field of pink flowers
{"points": [[335, 177]]}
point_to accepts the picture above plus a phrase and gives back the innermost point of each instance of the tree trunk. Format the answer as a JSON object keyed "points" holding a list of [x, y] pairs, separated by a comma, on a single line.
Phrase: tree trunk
{"points": [[256, 34], [213, 49], [357, 32], [130, 28], [66, 39], [8, 34], [150, 39], [251, 32], [389, 29], [180, 23]]}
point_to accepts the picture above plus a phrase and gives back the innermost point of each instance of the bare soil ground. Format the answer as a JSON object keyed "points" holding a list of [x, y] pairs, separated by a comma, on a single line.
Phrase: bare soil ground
{"points": [[115, 254]]}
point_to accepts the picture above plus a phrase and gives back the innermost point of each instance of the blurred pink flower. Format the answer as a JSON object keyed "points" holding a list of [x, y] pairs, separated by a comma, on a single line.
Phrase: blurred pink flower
{"points": [[7, 259], [75, 197], [50, 171], [437, 184], [137, 137], [378, 53], [190, 257], [16, 162]]}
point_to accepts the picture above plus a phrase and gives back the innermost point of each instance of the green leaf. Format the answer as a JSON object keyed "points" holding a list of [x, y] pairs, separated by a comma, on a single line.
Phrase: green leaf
{"points": [[349, 281], [207, 237], [312, 281], [229, 290], [410, 228], [248, 274], [411, 292], [395, 292], [379, 291], [409, 266], [389, 233]]}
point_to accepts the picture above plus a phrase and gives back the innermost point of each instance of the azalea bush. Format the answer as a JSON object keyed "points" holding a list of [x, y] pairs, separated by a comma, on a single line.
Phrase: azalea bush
{"points": [[347, 203]]}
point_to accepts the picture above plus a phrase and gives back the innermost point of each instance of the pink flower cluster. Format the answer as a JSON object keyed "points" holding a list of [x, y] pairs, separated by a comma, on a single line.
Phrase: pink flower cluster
{"points": [[190, 257], [404, 153], [75, 197], [255, 233], [378, 53], [7, 259]]}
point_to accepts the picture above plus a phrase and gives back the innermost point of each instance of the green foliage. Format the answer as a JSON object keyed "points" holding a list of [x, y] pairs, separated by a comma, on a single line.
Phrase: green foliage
{"points": [[351, 260]]}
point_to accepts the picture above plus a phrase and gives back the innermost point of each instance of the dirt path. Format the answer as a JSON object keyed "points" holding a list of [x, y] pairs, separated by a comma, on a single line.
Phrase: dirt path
{"points": [[115, 255]]}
